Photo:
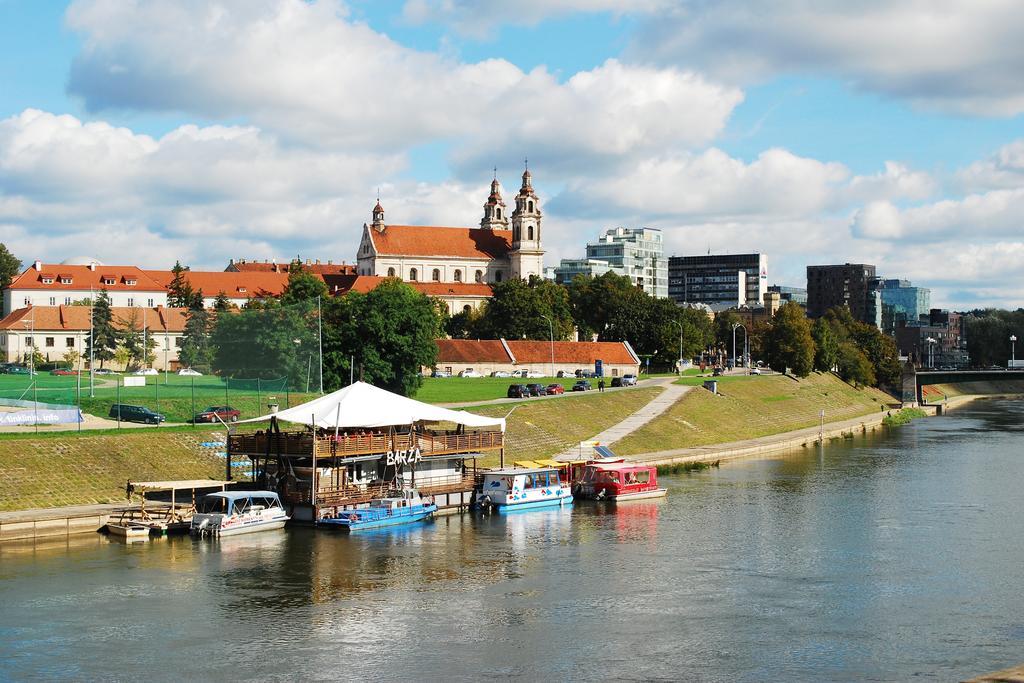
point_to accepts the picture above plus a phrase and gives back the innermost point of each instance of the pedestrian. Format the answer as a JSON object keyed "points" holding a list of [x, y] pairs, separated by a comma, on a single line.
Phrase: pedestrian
{"points": [[600, 385]]}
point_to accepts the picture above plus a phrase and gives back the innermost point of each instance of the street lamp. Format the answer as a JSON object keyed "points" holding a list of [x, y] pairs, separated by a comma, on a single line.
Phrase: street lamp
{"points": [[680, 345], [931, 352], [551, 331], [1013, 350], [734, 326]]}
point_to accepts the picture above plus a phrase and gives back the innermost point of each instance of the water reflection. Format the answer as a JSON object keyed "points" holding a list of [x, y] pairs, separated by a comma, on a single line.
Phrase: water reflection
{"points": [[890, 555]]}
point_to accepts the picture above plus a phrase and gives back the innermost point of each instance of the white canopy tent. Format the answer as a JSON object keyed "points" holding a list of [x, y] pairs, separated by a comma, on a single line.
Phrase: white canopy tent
{"points": [[362, 405]]}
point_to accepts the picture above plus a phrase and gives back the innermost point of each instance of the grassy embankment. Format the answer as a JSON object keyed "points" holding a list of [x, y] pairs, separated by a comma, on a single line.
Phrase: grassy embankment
{"points": [[66, 468], [748, 407], [936, 393]]}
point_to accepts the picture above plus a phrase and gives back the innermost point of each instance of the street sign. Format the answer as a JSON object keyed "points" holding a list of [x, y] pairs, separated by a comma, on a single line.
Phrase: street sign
{"points": [[134, 381]]}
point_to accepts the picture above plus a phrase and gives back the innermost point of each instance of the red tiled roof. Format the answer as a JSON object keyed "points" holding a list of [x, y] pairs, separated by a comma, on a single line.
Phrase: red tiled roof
{"points": [[523, 352], [579, 353], [76, 318], [315, 268], [83, 278], [342, 284], [234, 285], [425, 240], [472, 351]]}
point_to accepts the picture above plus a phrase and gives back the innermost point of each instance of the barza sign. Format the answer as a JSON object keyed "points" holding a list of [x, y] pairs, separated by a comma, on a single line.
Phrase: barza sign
{"points": [[409, 456]]}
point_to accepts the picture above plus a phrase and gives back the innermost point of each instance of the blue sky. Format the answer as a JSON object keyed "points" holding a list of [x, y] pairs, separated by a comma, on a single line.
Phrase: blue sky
{"points": [[887, 133]]}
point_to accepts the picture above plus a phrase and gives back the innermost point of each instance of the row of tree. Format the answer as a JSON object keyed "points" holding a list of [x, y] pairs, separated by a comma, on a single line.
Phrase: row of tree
{"points": [[988, 335]]}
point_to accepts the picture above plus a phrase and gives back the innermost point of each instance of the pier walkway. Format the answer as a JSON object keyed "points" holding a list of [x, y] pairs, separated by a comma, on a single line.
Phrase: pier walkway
{"points": [[24, 525]]}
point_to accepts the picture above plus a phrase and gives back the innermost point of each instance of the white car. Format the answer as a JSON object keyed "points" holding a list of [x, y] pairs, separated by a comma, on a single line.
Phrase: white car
{"points": [[470, 372], [501, 373], [189, 372], [755, 371], [532, 374], [146, 371]]}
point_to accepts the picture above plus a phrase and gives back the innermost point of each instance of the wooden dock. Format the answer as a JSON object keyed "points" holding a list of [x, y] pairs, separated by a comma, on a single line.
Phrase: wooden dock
{"points": [[1013, 675], [30, 525]]}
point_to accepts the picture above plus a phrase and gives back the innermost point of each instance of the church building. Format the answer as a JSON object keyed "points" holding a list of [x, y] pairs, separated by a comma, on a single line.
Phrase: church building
{"points": [[467, 260]]}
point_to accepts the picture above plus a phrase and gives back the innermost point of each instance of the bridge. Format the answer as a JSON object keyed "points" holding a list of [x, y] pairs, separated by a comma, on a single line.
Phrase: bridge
{"points": [[914, 380]]}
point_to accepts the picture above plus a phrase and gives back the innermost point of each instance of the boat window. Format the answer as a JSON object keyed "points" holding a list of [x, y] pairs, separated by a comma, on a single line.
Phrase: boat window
{"points": [[643, 477], [241, 505], [554, 479], [528, 481], [213, 505], [608, 477], [542, 479], [588, 474]]}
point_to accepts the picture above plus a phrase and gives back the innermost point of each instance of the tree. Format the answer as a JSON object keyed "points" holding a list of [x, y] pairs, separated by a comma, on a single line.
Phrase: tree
{"points": [[879, 349], [303, 286], [222, 303], [516, 310], [266, 341], [826, 346], [71, 357], [196, 350], [853, 365], [790, 343], [180, 293], [104, 339], [391, 331], [137, 342], [598, 303], [10, 267]]}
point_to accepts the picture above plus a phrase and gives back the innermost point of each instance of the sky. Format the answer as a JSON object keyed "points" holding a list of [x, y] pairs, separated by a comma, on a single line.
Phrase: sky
{"points": [[881, 131]]}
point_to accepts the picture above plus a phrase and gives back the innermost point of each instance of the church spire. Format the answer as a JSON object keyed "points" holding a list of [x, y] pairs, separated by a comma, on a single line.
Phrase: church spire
{"points": [[378, 215], [495, 215]]}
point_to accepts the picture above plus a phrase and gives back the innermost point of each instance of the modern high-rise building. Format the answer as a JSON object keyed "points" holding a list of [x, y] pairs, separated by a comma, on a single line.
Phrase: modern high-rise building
{"points": [[850, 284], [718, 280], [786, 294], [902, 303], [638, 254]]}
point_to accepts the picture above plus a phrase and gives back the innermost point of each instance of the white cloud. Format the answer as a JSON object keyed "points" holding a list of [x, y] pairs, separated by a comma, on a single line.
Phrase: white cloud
{"points": [[1003, 170], [972, 219], [308, 73], [963, 57]]}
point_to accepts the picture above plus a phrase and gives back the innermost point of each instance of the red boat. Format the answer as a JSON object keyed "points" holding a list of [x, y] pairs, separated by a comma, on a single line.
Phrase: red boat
{"points": [[618, 480]]}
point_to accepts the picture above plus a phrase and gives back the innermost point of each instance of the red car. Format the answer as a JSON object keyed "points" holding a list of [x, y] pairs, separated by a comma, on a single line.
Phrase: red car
{"points": [[63, 372], [225, 413], [555, 389]]}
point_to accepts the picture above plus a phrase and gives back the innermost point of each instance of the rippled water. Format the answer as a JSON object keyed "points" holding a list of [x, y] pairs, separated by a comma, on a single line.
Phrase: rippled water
{"points": [[882, 558]]}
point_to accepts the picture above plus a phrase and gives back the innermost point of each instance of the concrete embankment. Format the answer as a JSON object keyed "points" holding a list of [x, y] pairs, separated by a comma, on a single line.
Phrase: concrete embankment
{"points": [[49, 523]]}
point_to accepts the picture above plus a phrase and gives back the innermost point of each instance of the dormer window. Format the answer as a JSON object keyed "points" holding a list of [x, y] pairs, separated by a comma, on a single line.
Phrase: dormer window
{"points": [[108, 280], [47, 280], [241, 290], [65, 280], [130, 282]]}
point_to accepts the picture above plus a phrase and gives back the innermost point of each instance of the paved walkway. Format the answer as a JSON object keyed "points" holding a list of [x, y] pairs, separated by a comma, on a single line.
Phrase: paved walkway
{"points": [[671, 393]]}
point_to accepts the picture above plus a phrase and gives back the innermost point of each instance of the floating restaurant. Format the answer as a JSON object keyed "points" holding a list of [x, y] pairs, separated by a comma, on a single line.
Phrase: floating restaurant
{"points": [[361, 442]]}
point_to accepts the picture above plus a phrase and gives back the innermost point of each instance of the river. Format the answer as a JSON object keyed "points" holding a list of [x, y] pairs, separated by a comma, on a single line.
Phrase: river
{"points": [[885, 557]]}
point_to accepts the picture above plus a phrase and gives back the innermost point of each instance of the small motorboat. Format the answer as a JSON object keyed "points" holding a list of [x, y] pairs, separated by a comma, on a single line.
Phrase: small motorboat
{"points": [[130, 530], [404, 506], [228, 513], [521, 489], [618, 480]]}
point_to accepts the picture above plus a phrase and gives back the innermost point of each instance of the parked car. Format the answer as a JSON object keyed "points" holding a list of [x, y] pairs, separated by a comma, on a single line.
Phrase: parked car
{"points": [[755, 371], [518, 391], [17, 370], [629, 380], [135, 414], [441, 373], [146, 371], [537, 389], [103, 371], [616, 382], [584, 373], [63, 372], [529, 374], [470, 372], [189, 372], [225, 413], [501, 373], [582, 385], [555, 389], [718, 372]]}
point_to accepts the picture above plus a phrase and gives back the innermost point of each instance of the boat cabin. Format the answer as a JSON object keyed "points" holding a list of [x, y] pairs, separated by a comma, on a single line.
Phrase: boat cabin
{"points": [[618, 480], [530, 487]]}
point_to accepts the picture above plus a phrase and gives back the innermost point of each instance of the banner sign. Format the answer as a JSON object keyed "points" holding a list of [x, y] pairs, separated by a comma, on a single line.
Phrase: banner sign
{"points": [[41, 416], [134, 381]]}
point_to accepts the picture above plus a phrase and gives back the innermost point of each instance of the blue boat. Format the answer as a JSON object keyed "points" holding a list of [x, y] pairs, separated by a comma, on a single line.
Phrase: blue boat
{"points": [[403, 507], [512, 489]]}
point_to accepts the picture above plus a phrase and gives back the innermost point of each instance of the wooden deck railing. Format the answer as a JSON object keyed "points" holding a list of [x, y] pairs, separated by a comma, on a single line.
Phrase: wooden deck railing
{"points": [[299, 492], [303, 443]]}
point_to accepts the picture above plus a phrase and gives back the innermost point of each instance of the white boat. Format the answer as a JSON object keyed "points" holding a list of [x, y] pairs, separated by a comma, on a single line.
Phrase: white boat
{"points": [[228, 513], [130, 530], [521, 489]]}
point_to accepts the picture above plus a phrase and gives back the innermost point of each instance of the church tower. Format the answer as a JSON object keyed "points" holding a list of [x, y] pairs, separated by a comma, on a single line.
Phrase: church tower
{"points": [[527, 256], [495, 216]]}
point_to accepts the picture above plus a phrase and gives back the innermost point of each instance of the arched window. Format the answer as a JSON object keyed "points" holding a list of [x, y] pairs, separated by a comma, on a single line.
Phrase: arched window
{"points": [[466, 308], [530, 205], [436, 275], [413, 274], [497, 214], [515, 234], [458, 275], [529, 232], [391, 272], [479, 276], [497, 276]]}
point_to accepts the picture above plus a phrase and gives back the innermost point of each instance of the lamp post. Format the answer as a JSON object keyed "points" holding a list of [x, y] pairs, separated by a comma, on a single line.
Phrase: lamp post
{"points": [[931, 352], [1013, 350], [680, 366], [551, 331], [734, 326]]}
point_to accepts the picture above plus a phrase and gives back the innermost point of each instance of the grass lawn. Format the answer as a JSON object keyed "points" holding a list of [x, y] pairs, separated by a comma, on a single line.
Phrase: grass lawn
{"points": [[545, 428], [751, 406]]}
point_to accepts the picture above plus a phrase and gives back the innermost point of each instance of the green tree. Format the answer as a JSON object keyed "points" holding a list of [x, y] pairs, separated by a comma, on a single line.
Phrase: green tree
{"points": [[71, 357], [136, 340], [104, 338], [180, 293], [599, 303], [10, 268], [826, 346], [196, 349], [790, 343], [267, 340], [222, 303], [853, 365], [303, 286], [517, 309], [880, 349]]}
